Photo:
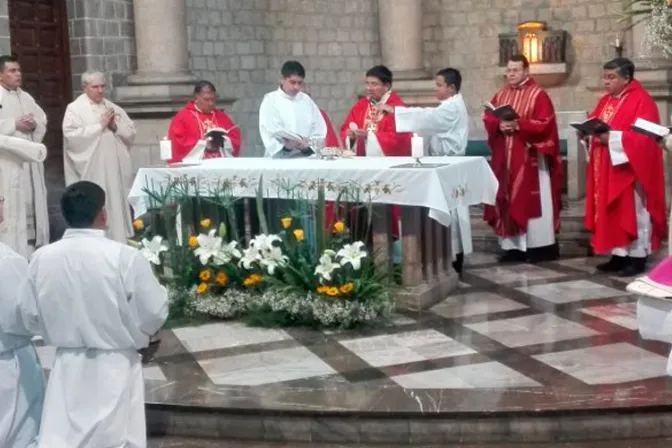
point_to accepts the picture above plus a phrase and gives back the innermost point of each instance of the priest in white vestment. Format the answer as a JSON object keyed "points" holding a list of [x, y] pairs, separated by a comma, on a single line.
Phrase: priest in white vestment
{"points": [[447, 128], [21, 377], [98, 137], [98, 302], [289, 120], [21, 117]]}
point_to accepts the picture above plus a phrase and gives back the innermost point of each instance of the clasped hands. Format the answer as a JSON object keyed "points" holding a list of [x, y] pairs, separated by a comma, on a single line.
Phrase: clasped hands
{"points": [[508, 127], [301, 145], [107, 120], [602, 138], [26, 123], [359, 134]]}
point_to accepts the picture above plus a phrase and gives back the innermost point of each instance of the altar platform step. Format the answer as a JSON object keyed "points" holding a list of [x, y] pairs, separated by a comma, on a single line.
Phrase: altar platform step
{"points": [[573, 239]]}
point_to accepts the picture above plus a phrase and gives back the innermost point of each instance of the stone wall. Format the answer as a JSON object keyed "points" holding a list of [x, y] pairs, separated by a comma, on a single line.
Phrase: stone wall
{"points": [[101, 38], [463, 34], [241, 45]]}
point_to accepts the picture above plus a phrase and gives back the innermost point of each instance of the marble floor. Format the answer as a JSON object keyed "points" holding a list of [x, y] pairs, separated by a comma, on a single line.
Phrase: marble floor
{"points": [[554, 336]]}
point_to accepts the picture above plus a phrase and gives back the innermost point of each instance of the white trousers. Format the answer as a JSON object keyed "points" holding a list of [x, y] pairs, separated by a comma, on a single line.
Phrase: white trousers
{"points": [[641, 247]]}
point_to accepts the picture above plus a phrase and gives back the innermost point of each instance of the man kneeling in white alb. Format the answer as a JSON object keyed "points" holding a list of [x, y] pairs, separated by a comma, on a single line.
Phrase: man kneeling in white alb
{"points": [[97, 301], [21, 376], [448, 128]]}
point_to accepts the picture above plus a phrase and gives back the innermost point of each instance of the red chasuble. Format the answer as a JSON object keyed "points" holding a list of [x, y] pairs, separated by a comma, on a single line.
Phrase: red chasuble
{"points": [[190, 125], [515, 159], [610, 197], [365, 116]]}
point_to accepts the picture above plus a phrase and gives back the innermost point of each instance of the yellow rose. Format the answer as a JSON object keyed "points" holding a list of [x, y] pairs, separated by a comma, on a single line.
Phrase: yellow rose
{"points": [[347, 288], [286, 222], [332, 292], [205, 275], [205, 223], [222, 279], [139, 225], [202, 288], [298, 234], [339, 227], [193, 242]]}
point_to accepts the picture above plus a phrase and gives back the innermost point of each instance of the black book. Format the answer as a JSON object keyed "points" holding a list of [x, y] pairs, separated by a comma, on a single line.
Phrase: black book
{"points": [[653, 130], [216, 138], [591, 126], [505, 112]]}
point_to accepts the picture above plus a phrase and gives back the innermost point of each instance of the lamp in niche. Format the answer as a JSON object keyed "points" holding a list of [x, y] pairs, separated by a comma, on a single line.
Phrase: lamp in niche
{"points": [[532, 44]]}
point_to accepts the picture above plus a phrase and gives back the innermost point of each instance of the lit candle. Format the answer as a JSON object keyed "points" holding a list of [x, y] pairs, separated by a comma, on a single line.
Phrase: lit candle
{"points": [[618, 42], [166, 147], [417, 146]]}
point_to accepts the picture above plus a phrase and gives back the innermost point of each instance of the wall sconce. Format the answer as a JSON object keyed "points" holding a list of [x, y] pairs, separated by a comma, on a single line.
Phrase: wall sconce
{"points": [[545, 49]]}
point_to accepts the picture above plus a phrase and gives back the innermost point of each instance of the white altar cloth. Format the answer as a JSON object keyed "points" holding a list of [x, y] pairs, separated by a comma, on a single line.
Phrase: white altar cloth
{"points": [[462, 181]]}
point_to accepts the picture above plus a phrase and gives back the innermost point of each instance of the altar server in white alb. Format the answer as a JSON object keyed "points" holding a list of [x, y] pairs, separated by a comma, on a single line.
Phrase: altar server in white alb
{"points": [[447, 127], [98, 137], [21, 377], [26, 223], [97, 301], [288, 118]]}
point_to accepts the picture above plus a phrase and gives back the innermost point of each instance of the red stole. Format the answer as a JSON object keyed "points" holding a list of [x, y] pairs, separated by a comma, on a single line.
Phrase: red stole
{"points": [[610, 203], [515, 159]]}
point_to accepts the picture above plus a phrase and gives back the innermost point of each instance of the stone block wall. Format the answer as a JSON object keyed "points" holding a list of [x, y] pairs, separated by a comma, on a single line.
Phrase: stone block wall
{"points": [[463, 34], [241, 45], [101, 38]]}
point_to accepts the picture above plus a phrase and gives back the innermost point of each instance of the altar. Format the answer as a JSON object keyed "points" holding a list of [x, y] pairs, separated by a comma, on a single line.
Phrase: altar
{"points": [[425, 193]]}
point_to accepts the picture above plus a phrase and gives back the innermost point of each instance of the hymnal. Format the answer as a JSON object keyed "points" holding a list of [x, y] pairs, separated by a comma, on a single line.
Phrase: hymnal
{"points": [[505, 112], [591, 126], [650, 128]]}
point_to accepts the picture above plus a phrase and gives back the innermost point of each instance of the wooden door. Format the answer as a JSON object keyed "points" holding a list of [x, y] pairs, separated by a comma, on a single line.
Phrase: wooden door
{"points": [[39, 38]]}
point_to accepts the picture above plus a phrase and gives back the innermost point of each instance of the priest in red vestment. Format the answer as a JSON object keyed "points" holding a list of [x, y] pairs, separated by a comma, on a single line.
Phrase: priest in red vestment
{"points": [[198, 117], [526, 161], [625, 192]]}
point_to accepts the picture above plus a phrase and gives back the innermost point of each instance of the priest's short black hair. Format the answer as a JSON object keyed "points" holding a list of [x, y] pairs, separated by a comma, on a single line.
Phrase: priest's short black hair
{"points": [[204, 85], [520, 58], [452, 77], [382, 73], [292, 68], [623, 66], [81, 203], [5, 58]]}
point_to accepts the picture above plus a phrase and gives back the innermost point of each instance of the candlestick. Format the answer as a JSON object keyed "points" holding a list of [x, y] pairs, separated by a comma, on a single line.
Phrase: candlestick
{"points": [[417, 146], [166, 149]]}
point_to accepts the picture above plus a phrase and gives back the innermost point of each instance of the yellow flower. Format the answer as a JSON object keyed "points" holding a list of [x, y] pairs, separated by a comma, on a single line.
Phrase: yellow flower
{"points": [[253, 280], [222, 279], [205, 275], [205, 223], [339, 227], [193, 242], [139, 225], [322, 289], [298, 234], [286, 222], [347, 288], [202, 288], [332, 292]]}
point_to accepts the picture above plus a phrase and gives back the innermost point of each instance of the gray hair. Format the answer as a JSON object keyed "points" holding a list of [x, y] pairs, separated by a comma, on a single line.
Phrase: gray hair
{"points": [[87, 77]]}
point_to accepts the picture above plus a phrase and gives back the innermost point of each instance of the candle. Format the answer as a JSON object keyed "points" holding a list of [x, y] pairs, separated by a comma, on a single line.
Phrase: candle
{"points": [[618, 42], [166, 147], [417, 146]]}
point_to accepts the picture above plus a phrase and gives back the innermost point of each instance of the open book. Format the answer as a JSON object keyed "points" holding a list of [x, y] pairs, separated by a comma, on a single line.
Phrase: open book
{"points": [[591, 126], [650, 128], [505, 112]]}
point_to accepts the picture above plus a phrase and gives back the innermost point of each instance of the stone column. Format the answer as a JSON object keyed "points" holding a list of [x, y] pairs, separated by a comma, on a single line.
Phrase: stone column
{"points": [[400, 24], [161, 43]]}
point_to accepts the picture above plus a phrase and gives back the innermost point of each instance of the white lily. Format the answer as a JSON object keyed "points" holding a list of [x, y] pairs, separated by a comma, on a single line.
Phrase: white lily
{"points": [[227, 253], [250, 256], [272, 258], [326, 266], [212, 246], [152, 249], [353, 254]]}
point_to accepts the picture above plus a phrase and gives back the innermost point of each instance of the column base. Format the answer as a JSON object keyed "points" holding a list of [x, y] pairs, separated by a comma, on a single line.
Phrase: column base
{"points": [[153, 78], [426, 295]]}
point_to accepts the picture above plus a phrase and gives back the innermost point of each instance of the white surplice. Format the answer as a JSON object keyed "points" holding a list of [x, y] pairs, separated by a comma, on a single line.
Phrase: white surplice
{"points": [[281, 115], [21, 377], [16, 154], [101, 156], [97, 301], [447, 127], [31, 187]]}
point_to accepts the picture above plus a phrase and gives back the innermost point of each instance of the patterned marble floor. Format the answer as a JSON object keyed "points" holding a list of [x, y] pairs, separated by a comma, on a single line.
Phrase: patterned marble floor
{"points": [[553, 336]]}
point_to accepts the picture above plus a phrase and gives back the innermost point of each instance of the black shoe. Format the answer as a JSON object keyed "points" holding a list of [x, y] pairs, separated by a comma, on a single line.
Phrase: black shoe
{"points": [[615, 264], [545, 253], [637, 266], [512, 256], [458, 263]]}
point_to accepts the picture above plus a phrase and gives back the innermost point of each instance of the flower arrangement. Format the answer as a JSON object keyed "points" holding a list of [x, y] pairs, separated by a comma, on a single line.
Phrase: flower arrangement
{"points": [[657, 17], [278, 278]]}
